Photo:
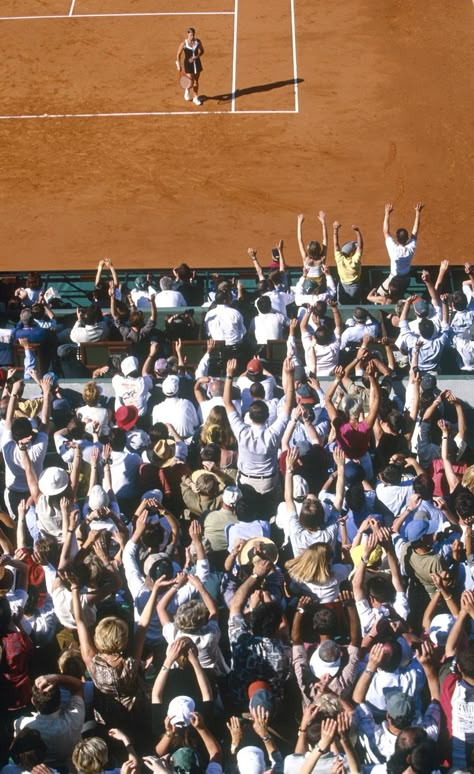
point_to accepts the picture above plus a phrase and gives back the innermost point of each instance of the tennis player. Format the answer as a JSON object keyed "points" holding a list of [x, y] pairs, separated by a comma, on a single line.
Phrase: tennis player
{"points": [[193, 51]]}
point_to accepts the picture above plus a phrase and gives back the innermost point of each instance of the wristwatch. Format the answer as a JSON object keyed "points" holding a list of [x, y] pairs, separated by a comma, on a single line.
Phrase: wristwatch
{"points": [[320, 749]]}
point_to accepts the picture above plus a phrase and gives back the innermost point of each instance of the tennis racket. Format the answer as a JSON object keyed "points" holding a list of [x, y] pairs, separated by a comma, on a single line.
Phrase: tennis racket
{"points": [[185, 81]]}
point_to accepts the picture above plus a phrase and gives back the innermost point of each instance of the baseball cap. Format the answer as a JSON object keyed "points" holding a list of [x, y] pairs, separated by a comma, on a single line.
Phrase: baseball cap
{"points": [[170, 385], [428, 382], [304, 394], [180, 709], [98, 498], [326, 659], [128, 365], [440, 627], [417, 529], [231, 495], [138, 440], [186, 761], [254, 366], [421, 307], [126, 417], [161, 364], [359, 314], [260, 695], [468, 334], [399, 705], [251, 760], [157, 565], [348, 247]]}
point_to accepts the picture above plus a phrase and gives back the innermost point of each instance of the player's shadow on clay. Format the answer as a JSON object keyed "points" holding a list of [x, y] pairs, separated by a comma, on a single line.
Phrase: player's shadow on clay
{"points": [[250, 90]]}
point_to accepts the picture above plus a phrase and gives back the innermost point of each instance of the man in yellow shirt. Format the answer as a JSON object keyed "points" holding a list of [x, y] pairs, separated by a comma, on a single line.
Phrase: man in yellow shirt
{"points": [[348, 262]]}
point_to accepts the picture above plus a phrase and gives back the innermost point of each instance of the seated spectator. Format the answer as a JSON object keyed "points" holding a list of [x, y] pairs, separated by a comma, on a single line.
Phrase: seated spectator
{"points": [[90, 326], [167, 297], [269, 324], [431, 344], [181, 410], [322, 347], [255, 373], [360, 325]]}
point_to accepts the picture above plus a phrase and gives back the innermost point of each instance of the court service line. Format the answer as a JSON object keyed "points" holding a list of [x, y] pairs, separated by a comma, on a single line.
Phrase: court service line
{"points": [[71, 10], [234, 54], [151, 114], [116, 15], [295, 63]]}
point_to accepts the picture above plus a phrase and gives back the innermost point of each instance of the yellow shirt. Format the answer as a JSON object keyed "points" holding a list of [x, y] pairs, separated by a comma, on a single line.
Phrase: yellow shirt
{"points": [[348, 268]]}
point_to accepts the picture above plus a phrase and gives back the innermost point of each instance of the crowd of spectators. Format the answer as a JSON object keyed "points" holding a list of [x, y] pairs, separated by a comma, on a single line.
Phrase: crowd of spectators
{"points": [[231, 565]]}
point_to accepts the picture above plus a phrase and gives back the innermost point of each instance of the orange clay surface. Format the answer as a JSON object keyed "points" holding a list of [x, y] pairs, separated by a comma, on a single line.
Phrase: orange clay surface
{"points": [[385, 112]]}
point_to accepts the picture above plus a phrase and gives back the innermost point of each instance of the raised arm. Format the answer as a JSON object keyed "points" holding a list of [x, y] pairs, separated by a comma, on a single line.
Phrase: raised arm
{"points": [[260, 570], [253, 255], [330, 408], [338, 324], [146, 616], [281, 257], [289, 373], [451, 477], [416, 225], [386, 220], [230, 371], [31, 478], [208, 600], [86, 643], [374, 396], [434, 296], [335, 230], [324, 227], [443, 268], [299, 235], [338, 455]]}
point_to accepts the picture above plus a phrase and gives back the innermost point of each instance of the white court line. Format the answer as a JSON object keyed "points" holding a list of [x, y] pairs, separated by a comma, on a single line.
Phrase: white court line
{"points": [[295, 65], [234, 55], [71, 10], [115, 15], [151, 114]]}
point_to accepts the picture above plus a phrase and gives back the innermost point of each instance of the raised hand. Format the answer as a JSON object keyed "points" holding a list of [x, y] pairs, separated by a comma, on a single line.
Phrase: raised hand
{"points": [[376, 656], [328, 732]]}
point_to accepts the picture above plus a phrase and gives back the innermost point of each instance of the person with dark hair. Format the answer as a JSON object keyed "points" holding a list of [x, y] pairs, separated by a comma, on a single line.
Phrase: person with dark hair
{"points": [[429, 342], [259, 443], [269, 324], [314, 253], [348, 261], [90, 326], [322, 348], [60, 728], [258, 651], [17, 651], [193, 50], [401, 250], [255, 373], [380, 740], [223, 323], [394, 491], [457, 694]]}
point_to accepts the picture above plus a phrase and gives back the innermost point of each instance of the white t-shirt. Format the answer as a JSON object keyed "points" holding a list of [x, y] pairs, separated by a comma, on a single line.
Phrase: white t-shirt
{"points": [[327, 356], [169, 298], [15, 476], [244, 384], [132, 391], [91, 414], [207, 643], [180, 412], [400, 256], [267, 327]]}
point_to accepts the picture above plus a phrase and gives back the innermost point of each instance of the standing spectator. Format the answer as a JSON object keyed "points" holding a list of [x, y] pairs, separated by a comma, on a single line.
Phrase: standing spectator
{"points": [[348, 263], [401, 250]]}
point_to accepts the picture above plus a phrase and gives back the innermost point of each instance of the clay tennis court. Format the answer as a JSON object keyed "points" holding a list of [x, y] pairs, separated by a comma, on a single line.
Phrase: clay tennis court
{"points": [[309, 104]]}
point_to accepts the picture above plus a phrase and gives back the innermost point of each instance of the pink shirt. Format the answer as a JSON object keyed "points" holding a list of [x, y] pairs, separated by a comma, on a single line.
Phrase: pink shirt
{"points": [[354, 441]]}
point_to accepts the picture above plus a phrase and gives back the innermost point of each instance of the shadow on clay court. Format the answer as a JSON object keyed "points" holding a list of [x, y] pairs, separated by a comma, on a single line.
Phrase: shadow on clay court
{"points": [[250, 90]]}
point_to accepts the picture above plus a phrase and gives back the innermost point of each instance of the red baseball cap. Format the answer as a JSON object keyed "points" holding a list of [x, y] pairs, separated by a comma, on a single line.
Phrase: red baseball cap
{"points": [[126, 417]]}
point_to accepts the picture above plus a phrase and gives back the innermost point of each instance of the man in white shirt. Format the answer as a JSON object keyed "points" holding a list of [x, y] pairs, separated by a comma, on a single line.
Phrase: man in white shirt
{"points": [[167, 296], [179, 411], [401, 250], [464, 345], [255, 373], [222, 323], [259, 443], [60, 728], [268, 325], [130, 388], [89, 327], [430, 343], [361, 324]]}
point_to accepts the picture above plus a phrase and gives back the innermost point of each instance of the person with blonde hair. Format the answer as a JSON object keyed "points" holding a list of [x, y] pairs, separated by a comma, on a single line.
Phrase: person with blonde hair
{"points": [[312, 573], [90, 755], [93, 414], [216, 429]]}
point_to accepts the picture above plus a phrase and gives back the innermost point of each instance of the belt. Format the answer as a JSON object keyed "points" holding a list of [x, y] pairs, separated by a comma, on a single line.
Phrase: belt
{"points": [[257, 477]]}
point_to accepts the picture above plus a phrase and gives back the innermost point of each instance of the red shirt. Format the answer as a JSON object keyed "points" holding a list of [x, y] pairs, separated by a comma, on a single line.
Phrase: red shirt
{"points": [[15, 685], [354, 441], [441, 485]]}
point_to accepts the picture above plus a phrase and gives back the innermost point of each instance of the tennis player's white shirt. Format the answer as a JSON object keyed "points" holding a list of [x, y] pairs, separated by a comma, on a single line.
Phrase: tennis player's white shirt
{"points": [[400, 256], [244, 384], [225, 324], [169, 298], [180, 412], [267, 327]]}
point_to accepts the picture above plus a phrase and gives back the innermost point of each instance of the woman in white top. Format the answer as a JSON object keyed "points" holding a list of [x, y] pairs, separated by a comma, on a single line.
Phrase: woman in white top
{"points": [[93, 413], [313, 574]]}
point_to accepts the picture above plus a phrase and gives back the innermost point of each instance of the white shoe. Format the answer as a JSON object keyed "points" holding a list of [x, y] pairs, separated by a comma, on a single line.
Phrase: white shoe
{"points": [[197, 101], [187, 95]]}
